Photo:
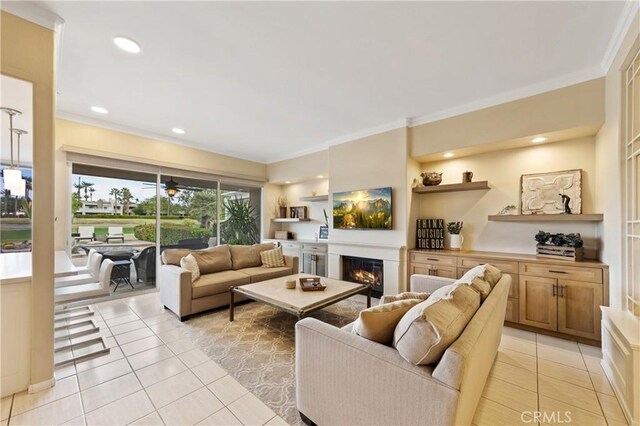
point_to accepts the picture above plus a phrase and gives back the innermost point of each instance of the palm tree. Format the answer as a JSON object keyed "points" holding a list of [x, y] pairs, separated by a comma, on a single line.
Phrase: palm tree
{"points": [[91, 191], [116, 193], [86, 186], [78, 186], [126, 196]]}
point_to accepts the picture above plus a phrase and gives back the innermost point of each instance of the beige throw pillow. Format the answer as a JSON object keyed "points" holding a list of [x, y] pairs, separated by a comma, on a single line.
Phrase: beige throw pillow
{"points": [[272, 258], [190, 264], [378, 322], [215, 259], [426, 331], [248, 256], [403, 296]]}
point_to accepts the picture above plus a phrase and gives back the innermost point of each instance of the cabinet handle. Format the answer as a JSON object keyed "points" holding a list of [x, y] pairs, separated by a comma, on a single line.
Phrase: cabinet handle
{"points": [[553, 290], [561, 291], [433, 260], [557, 272]]}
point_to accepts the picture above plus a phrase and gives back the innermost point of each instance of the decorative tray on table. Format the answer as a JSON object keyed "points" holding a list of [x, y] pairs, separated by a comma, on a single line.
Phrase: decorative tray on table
{"points": [[312, 284]]}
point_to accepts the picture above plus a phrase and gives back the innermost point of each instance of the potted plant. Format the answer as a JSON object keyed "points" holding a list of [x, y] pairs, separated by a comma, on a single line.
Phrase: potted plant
{"points": [[455, 239], [282, 206]]}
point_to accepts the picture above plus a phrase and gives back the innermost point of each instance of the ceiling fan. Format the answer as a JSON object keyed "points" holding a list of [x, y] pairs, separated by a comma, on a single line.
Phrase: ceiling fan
{"points": [[171, 187]]}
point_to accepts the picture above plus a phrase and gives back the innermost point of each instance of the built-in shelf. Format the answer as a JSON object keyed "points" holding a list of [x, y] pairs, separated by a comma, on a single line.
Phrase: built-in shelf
{"points": [[315, 198], [594, 217], [289, 219], [454, 187]]}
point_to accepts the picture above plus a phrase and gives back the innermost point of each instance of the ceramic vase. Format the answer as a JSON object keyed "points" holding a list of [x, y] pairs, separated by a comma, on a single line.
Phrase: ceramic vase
{"points": [[455, 241]]}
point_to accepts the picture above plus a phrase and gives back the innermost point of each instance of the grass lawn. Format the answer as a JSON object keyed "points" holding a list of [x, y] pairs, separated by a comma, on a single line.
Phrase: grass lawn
{"points": [[15, 235]]}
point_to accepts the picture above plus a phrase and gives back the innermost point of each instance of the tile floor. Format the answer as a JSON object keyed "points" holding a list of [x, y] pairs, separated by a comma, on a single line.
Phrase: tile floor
{"points": [[155, 376]]}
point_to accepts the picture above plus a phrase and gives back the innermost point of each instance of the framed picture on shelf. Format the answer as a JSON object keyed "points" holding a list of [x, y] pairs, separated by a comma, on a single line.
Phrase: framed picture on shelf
{"points": [[324, 233], [298, 212], [546, 193]]}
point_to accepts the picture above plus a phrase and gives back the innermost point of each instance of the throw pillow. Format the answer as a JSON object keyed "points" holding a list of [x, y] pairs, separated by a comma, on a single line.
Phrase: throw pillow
{"points": [[173, 256], [190, 264], [426, 331], [215, 259], [248, 256], [403, 296], [378, 322], [272, 258]]}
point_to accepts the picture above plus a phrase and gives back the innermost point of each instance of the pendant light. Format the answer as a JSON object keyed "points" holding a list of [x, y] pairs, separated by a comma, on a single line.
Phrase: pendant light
{"points": [[11, 175], [21, 188]]}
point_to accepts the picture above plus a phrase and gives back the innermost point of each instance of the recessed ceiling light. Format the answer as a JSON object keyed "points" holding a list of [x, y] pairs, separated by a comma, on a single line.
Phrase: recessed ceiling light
{"points": [[127, 44], [538, 139], [287, 181], [99, 110], [178, 131], [448, 155], [320, 176]]}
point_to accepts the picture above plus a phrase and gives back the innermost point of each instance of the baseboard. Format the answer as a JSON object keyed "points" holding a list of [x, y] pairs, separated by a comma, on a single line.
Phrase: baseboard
{"points": [[37, 387]]}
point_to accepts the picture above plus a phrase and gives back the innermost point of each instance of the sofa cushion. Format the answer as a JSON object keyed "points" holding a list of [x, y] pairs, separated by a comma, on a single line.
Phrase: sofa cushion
{"points": [[403, 296], [272, 258], [377, 323], [248, 256], [260, 273], [217, 283], [213, 259], [482, 278], [190, 264], [173, 256], [427, 330]]}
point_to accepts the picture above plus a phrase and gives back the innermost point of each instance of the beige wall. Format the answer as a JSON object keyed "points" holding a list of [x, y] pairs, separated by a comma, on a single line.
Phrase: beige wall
{"points": [[610, 166], [580, 106], [300, 168], [28, 53], [503, 170]]}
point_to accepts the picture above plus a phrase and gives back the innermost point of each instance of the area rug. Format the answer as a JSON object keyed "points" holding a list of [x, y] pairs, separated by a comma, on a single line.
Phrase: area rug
{"points": [[258, 348]]}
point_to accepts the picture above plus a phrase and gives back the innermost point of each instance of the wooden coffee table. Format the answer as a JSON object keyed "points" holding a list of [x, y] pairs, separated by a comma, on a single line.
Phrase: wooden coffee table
{"points": [[295, 301]]}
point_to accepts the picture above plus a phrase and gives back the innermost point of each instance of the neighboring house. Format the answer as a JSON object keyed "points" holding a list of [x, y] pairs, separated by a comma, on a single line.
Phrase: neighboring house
{"points": [[103, 207]]}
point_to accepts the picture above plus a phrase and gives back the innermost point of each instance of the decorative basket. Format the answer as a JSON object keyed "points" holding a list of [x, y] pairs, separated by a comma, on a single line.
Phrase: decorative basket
{"points": [[572, 254]]}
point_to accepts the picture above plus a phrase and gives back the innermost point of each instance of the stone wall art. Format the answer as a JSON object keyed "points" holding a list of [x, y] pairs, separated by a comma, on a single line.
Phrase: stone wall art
{"points": [[551, 193]]}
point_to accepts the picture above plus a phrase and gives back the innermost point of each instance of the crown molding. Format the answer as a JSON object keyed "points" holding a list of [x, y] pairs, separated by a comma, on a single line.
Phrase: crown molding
{"points": [[297, 154], [151, 135], [397, 124], [514, 95], [29, 11], [631, 8]]}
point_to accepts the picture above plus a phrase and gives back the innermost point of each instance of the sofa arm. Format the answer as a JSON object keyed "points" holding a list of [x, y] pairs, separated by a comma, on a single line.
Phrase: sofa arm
{"points": [[293, 263], [428, 283], [342, 378], [175, 289]]}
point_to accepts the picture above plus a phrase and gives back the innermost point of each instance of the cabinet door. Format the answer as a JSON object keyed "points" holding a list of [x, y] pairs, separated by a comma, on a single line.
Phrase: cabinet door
{"points": [[511, 313], [538, 302], [579, 308]]}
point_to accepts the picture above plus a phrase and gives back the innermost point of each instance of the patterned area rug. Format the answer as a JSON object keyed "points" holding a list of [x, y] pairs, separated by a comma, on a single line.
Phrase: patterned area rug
{"points": [[258, 348]]}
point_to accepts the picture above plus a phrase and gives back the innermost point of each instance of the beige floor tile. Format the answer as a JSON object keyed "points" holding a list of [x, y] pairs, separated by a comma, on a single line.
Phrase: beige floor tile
{"points": [[64, 371], [562, 410], [122, 411], [152, 419], [170, 335], [159, 371], [114, 355], [518, 333], [181, 346], [208, 372], [565, 373], [78, 421], [611, 408], [5, 406], [515, 375], [159, 318], [103, 373], [601, 383], [509, 395], [108, 392], [562, 356], [590, 351], [134, 335], [193, 357], [163, 326], [277, 421], [250, 410], [191, 408], [556, 342], [227, 389], [24, 401], [140, 345], [519, 345], [56, 412], [569, 394], [491, 413], [150, 356], [127, 327], [114, 311], [121, 320], [517, 359], [175, 387], [593, 365], [223, 417]]}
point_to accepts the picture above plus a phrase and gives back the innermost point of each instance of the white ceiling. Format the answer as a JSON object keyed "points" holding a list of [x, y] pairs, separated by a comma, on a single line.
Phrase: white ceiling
{"points": [[267, 80], [16, 94]]}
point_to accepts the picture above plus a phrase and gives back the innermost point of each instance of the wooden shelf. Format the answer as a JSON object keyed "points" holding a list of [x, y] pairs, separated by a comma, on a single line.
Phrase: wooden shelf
{"points": [[315, 198], [594, 217], [454, 187], [289, 220]]}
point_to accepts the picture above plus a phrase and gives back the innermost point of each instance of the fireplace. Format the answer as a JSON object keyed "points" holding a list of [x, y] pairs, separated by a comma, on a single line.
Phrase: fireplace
{"points": [[364, 271]]}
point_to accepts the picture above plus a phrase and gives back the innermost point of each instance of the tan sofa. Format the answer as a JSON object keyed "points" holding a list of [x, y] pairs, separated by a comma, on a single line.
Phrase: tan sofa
{"points": [[342, 378], [220, 268]]}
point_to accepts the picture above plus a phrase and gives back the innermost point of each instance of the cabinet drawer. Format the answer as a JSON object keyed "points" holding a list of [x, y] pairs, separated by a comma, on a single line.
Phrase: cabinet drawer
{"points": [[576, 273], [513, 290], [503, 265], [435, 270], [512, 310], [321, 248], [290, 246], [433, 259]]}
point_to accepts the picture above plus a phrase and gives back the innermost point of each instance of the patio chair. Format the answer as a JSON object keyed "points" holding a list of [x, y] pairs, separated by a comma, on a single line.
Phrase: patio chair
{"points": [[145, 262], [87, 291], [91, 276], [115, 233], [86, 233]]}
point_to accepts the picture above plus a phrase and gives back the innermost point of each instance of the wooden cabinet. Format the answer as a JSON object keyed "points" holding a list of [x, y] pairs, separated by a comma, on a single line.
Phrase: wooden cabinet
{"points": [[538, 302], [579, 308], [436, 265]]}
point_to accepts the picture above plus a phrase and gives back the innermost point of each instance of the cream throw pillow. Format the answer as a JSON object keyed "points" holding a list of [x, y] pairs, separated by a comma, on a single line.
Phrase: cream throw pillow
{"points": [[190, 264], [429, 328], [378, 322], [272, 258], [403, 296]]}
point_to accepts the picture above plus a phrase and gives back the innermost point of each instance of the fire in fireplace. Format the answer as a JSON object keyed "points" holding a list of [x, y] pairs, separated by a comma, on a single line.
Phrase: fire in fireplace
{"points": [[364, 271]]}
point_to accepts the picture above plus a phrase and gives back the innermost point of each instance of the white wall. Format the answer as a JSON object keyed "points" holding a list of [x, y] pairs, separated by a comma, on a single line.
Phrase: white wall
{"points": [[293, 192], [503, 170]]}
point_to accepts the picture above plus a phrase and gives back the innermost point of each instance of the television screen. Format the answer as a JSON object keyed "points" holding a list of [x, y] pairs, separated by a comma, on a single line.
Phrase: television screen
{"points": [[365, 209]]}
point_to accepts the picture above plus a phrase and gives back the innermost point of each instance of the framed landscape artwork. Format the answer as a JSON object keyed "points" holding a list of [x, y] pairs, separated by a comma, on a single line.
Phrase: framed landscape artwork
{"points": [[542, 193], [363, 209]]}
